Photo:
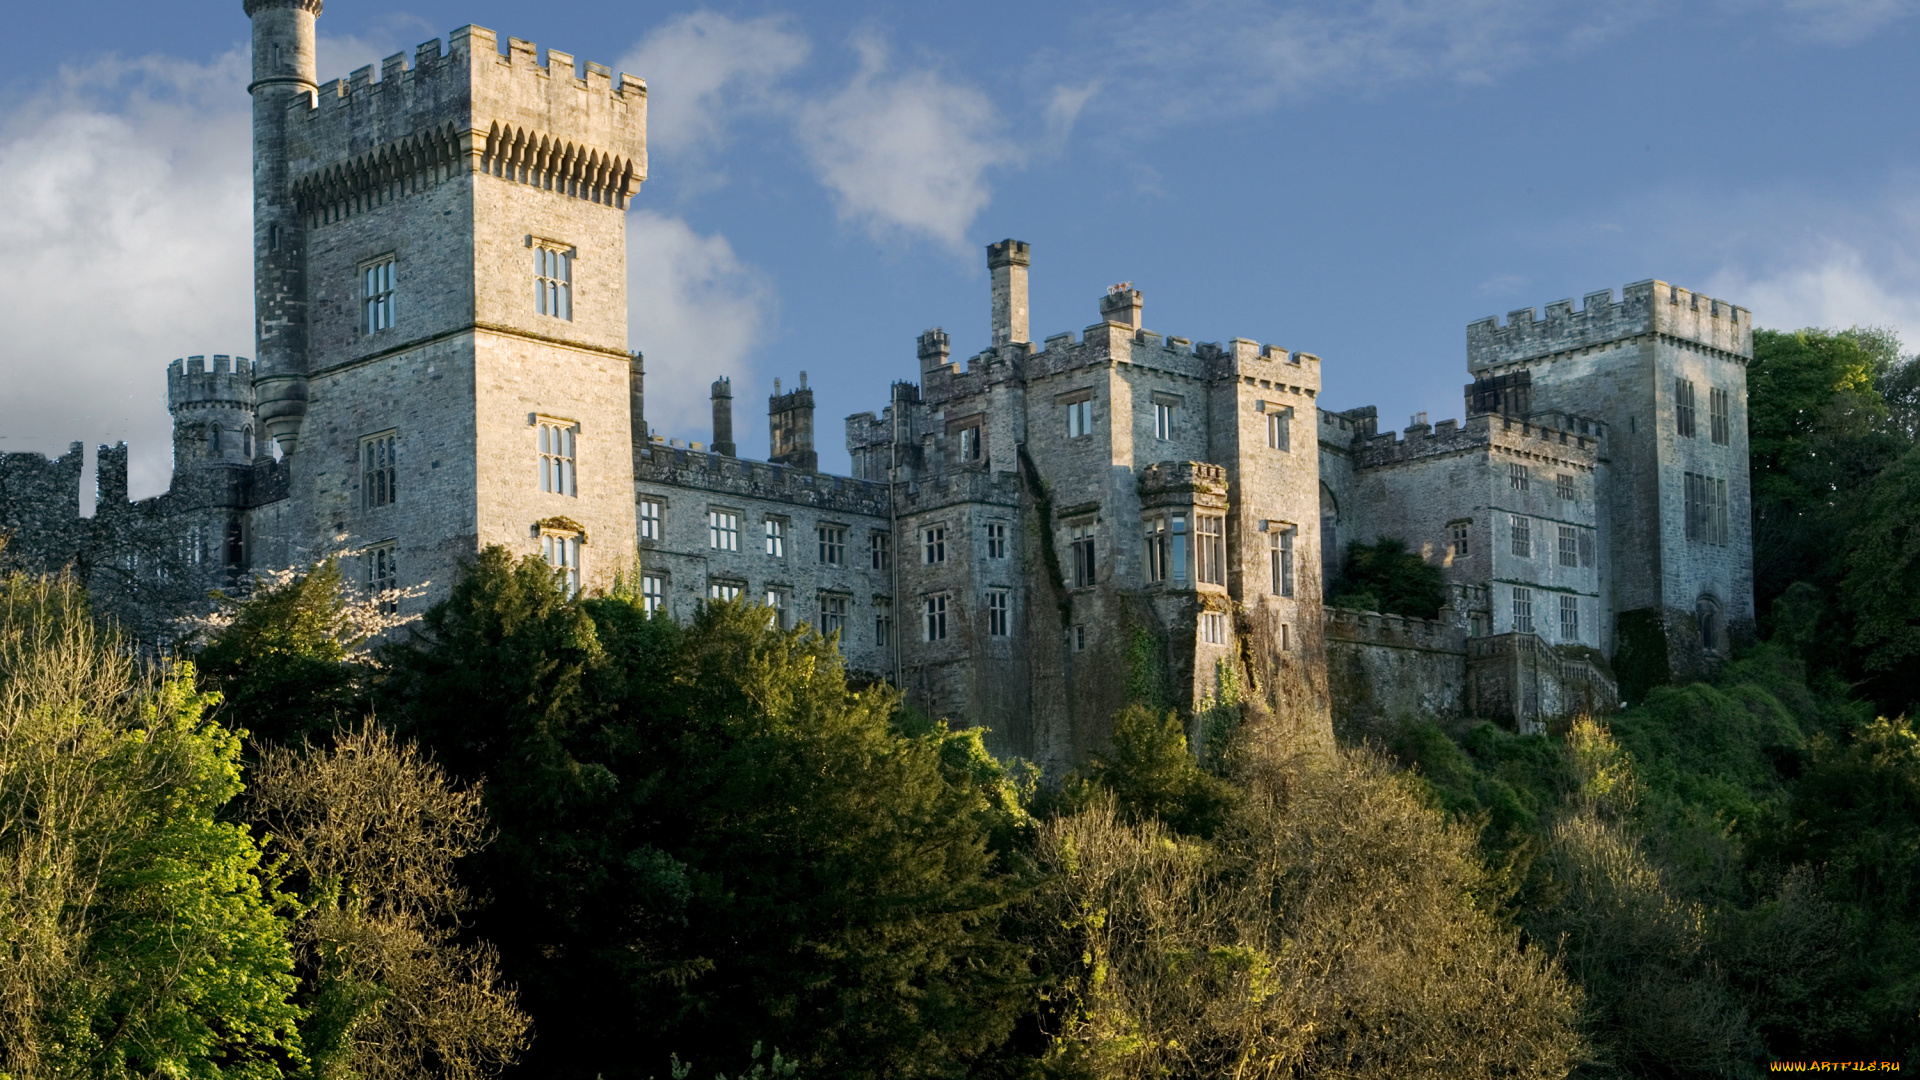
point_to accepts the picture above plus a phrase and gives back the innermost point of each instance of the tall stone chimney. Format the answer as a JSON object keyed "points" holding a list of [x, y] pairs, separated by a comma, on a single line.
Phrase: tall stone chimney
{"points": [[1007, 261], [1122, 304], [723, 417], [790, 427]]}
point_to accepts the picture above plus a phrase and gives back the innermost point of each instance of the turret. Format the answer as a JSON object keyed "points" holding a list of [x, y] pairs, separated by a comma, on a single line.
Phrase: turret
{"points": [[213, 412], [283, 67], [790, 427]]}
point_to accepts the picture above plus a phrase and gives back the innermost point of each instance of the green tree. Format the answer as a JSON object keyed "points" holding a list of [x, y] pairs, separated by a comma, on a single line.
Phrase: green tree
{"points": [[140, 937], [287, 659], [1386, 577], [1819, 430], [368, 832], [707, 838], [1881, 588], [1153, 776], [1336, 926]]}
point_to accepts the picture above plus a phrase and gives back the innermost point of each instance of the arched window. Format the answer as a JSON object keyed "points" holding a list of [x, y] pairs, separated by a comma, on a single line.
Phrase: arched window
{"points": [[1706, 616], [1329, 534], [213, 438], [246, 442]]}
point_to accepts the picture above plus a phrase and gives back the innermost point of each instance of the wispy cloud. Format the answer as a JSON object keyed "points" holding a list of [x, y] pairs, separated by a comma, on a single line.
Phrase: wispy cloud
{"points": [[1814, 261], [906, 152], [704, 69], [1833, 22], [697, 311]]}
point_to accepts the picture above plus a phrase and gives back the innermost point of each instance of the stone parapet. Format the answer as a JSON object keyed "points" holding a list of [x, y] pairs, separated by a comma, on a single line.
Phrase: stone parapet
{"points": [[717, 473], [1644, 308]]}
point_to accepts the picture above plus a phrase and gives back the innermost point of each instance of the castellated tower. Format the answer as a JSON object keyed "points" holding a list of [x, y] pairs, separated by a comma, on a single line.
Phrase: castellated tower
{"points": [[1110, 516], [441, 272], [1666, 370]]}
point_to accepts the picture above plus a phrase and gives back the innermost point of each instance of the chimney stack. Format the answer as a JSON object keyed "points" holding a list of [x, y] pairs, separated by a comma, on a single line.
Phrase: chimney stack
{"points": [[723, 417], [934, 349], [1122, 305], [1007, 262], [790, 427]]}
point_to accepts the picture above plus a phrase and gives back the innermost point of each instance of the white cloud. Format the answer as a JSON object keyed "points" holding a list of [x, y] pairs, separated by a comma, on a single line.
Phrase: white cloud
{"points": [[697, 311], [125, 244], [905, 152], [703, 68], [1840, 22], [1806, 261]]}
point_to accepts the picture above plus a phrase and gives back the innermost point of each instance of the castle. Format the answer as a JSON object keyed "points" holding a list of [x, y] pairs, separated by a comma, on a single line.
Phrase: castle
{"points": [[1027, 539]]}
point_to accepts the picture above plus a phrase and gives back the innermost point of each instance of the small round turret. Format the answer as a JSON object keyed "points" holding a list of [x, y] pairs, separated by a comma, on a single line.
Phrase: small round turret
{"points": [[214, 419]]}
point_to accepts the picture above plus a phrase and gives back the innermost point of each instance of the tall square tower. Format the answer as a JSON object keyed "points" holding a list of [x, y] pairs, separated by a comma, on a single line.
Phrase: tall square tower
{"points": [[441, 297], [1666, 370]]}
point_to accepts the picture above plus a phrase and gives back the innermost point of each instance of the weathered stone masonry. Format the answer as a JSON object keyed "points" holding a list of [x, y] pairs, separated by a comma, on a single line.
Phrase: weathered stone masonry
{"points": [[1027, 540]]}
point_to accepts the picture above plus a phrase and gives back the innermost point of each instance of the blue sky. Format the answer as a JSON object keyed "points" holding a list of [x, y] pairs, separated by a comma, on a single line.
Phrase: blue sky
{"points": [[1357, 179]]}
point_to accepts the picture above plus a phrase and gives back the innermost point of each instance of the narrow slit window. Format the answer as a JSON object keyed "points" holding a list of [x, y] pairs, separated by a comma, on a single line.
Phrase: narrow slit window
{"points": [[1720, 416], [1683, 408], [376, 295], [1280, 553], [378, 466]]}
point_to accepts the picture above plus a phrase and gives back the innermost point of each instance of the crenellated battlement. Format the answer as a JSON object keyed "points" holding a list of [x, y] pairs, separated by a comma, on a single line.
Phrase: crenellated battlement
{"points": [[467, 109], [1644, 307], [1567, 445], [227, 383]]}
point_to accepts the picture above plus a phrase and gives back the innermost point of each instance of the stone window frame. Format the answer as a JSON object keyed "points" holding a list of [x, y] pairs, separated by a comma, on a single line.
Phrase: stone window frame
{"points": [[557, 449], [776, 530], [968, 437], [1568, 545], [999, 612], [1520, 535], [1719, 416], [378, 278], [1083, 546], [935, 606], [933, 544], [835, 607], [653, 528], [381, 561], [1683, 409], [655, 586], [1281, 536], [1707, 509], [553, 276], [1079, 407], [882, 622], [880, 550], [1166, 411], [1279, 425], [778, 600], [1169, 534], [723, 524], [379, 469], [1563, 486], [725, 587], [1522, 609], [1210, 549], [1519, 477], [830, 543], [996, 539], [1213, 628], [1569, 619], [1460, 537], [562, 550]]}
